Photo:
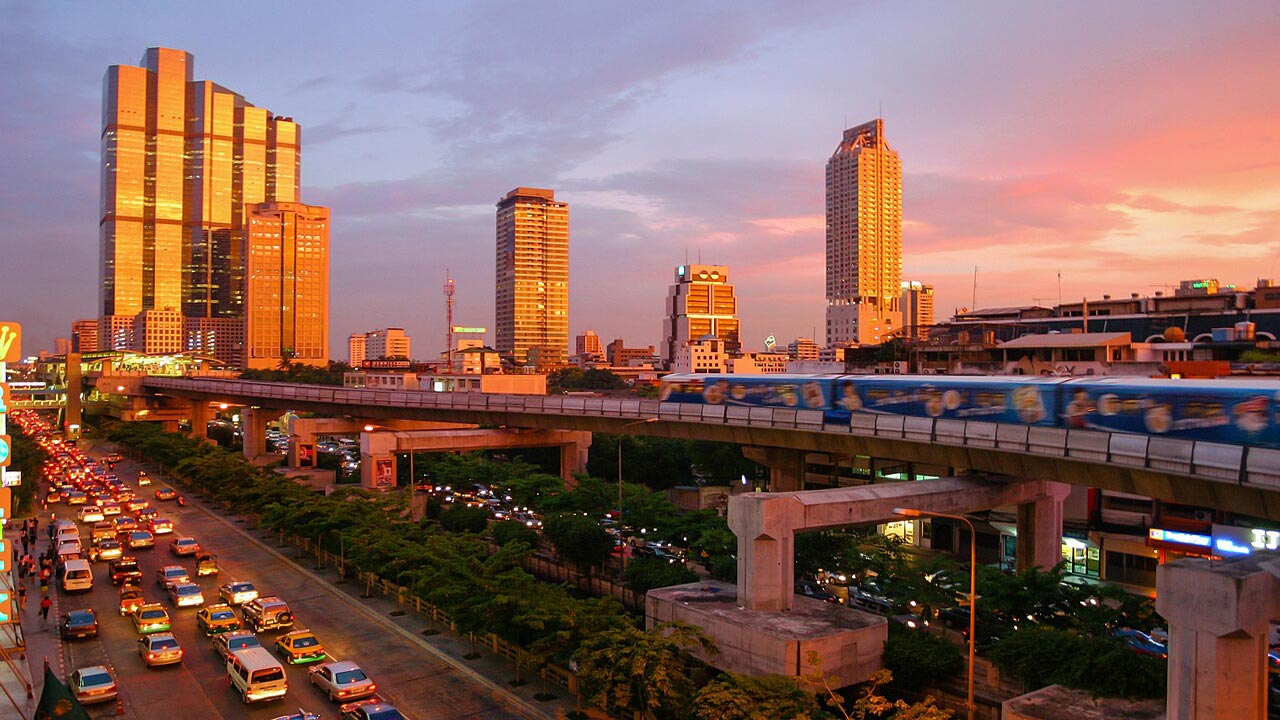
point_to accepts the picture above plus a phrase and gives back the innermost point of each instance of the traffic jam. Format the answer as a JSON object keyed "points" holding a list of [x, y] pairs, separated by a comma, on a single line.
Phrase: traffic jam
{"points": [[111, 545]]}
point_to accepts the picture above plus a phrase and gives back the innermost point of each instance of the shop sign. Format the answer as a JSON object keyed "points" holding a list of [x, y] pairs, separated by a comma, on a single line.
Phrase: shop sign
{"points": [[1178, 537], [1233, 540]]}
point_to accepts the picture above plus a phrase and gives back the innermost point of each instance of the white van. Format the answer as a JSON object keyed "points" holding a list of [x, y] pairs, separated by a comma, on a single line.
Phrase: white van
{"points": [[256, 675], [77, 576]]}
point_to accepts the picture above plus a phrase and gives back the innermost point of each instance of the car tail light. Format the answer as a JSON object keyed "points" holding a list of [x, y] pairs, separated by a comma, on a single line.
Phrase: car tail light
{"points": [[151, 656], [372, 687]]}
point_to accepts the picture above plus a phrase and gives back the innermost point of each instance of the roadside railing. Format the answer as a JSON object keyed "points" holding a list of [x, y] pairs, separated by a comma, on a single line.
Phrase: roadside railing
{"points": [[1216, 462]]}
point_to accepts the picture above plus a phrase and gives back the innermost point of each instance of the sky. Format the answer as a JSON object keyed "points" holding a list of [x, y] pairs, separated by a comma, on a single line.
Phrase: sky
{"points": [[1119, 146]]}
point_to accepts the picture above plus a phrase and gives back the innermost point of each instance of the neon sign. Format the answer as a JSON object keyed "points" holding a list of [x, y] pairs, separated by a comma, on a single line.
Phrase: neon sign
{"points": [[1179, 537]]}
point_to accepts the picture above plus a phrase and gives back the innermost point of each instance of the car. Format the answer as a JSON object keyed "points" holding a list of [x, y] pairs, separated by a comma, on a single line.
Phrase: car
{"points": [[1138, 642], [234, 640], [160, 648], [53, 496], [136, 505], [76, 497], [90, 513], [151, 618], [93, 684], [206, 564], [124, 569], [237, 593], [170, 574], [342, 680], [300, 647], [112, 459], [145, 514], [110, 509], [811, 589], [124, 524], [141, 539], [143, 478], [181, 546], [299, 715], [131, 599], [369, 710], [216, 619], [185, 594], [266, 613], [165, 493], [161, 526], [79, 624], [106, 550]]}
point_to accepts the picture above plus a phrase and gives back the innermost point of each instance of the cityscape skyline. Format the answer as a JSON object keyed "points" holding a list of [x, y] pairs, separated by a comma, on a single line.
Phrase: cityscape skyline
{"points": [[1075, 182]]}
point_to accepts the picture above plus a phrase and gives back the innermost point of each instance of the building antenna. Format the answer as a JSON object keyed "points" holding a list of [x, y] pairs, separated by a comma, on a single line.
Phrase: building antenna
{"points": [[448, 315], [1059, 291], [974, 302]]}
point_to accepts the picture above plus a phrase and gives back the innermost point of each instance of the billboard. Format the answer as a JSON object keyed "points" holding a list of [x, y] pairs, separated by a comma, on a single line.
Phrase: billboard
{"points": [[384, 472], [385, 364]]}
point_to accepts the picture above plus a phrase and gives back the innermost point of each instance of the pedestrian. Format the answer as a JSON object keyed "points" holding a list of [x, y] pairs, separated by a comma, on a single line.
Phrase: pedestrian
{"points": [[22, 569], [44, 581], [45, 604], [62, 569], [22, 598], [26, 543]]}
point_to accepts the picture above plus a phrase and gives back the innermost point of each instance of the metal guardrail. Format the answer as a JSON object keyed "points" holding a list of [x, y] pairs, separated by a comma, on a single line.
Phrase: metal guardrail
{"points": [[1247, 466]]}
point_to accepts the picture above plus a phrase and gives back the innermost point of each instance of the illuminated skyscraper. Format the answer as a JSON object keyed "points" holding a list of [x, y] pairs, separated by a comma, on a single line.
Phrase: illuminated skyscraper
{"points": [[864, 237], [287, 285], [700, 303], [533, 277], [181, 160], [917, 309]]}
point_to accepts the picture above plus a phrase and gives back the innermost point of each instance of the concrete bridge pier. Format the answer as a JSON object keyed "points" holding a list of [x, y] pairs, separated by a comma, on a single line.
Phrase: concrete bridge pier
{"points": [[1219, 617], [786, 466], [253, 429], [200, 416], [1040, 528]]}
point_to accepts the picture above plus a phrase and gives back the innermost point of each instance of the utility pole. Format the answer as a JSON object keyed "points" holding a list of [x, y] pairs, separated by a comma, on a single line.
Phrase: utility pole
{"points": [[448, 330]]}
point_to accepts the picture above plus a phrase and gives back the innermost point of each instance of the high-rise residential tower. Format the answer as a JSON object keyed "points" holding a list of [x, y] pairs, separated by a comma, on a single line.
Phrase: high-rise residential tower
{"points": [[533, 277], [701, 302], [181, 160], [917, 309], [864, 237], [286, 285]]}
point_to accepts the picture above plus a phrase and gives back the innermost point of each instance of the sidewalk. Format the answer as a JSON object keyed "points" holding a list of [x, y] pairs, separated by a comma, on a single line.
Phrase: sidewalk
{"points": [[40, 642], [492, 671]]}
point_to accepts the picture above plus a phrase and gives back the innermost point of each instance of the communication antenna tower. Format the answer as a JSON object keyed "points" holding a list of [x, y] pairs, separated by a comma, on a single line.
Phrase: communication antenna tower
{"points": [[448, 322]]}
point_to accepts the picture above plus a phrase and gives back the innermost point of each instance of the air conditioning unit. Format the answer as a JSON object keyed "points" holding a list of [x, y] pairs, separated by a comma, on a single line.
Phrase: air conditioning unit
{"points": [[1204, 515]]}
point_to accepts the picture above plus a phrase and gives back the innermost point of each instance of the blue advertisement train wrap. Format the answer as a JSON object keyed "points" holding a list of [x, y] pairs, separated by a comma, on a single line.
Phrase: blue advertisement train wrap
{"points": [[1224, 411]]}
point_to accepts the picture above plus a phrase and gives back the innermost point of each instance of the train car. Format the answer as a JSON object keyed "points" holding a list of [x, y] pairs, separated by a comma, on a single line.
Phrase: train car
{"points": [[800, 392], [1004, 399], [1238, 412]]}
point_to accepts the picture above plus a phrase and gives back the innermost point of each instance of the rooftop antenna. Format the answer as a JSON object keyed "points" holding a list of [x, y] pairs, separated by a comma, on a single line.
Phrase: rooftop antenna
{"points": [[448, 312], [1059, 291], [973, 305]]}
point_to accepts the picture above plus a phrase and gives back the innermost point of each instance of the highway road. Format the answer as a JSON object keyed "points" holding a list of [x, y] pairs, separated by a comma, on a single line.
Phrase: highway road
{"points": [[420, 684]]}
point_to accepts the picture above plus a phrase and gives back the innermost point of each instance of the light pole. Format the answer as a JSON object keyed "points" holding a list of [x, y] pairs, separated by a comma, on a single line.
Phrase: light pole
{"points": [[973, 584], [620, 436]]}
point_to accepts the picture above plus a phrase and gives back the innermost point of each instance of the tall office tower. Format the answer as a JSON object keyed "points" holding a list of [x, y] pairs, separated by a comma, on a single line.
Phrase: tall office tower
{"points": [[917, 309], [356, 350], [533, 277], [180, 162], [701, 302], [588, 343], [286, 285], [864, 237], [389, 344], [84, 336]]}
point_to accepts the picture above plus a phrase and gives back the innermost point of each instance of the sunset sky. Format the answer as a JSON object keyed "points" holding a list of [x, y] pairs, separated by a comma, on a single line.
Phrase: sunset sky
{"points": [[1123, 145]]}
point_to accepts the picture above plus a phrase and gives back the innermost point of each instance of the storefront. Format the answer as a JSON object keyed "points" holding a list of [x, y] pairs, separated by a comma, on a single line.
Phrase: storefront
{"points": [[1081, 556]]}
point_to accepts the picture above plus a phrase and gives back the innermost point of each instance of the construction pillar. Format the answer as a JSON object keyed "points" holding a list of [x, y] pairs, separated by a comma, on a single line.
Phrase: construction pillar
{"points": [[200, 416], [1219, 618], [786, 467], [573, 458], [74, 389], [1040, 529], [378, 460], [253, 430]]}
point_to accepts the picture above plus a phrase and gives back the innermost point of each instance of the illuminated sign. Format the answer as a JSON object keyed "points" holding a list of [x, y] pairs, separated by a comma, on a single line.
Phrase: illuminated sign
{"points": [[10, 342], [6, 609], [1233, 540], [1179, 538], [5, 445], [385, 365], [10, 478], [468, 330]]}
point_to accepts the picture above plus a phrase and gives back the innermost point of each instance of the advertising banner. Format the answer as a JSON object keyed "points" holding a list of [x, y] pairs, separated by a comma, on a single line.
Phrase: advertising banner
{"points": [[384, 474]]}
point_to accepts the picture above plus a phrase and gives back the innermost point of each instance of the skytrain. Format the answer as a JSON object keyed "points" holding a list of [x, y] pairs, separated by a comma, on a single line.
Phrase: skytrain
{"points": [[1238, 412]]}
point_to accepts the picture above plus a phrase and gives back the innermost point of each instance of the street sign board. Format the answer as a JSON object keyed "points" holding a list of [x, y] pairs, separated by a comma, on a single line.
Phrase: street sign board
{"points": [[10, 342], [10, 478]]}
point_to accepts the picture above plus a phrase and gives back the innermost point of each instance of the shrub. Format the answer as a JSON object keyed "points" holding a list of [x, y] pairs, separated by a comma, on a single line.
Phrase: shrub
{"points": [[1041, 656], [579, 538], [509, 531], [647, 573], [463, 519], [918, 659]]}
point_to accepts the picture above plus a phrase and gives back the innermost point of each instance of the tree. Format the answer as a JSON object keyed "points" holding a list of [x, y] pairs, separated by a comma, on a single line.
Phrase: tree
{"points": [[647, 573], [1041, 656], [740, 697], [463, 519], [918, 659], [869, 703], [579, 538], [509, 531], [641, 671]]}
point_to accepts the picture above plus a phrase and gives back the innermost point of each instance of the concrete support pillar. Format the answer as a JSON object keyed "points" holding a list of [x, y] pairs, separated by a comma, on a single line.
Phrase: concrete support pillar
{"points": [[1219, 623], [378, 460], [1040, 528], [300, 433], [573, 459], [766, 552], [200, 417], [786, 467], [169, 426], [253, 430], [74, 389]]}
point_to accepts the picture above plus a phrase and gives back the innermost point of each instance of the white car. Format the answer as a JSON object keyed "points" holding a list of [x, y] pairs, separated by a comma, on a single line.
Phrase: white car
{"points": [[237, 593], [186, 594], [342, 681], [90, 513]]}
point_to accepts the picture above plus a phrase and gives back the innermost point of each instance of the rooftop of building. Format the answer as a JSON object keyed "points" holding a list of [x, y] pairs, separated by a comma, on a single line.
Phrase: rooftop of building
{"points": [[1059, 703], [1067, 340]]}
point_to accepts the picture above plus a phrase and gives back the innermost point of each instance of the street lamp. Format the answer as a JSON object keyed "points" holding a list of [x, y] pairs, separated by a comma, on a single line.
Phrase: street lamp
{"points": [[973, 583], [624, 427]]}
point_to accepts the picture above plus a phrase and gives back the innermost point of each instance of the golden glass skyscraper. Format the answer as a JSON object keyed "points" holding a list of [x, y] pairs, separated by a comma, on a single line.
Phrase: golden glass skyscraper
{"points": [[181, 160], [864, 238], [533, 277], [287, 285]]}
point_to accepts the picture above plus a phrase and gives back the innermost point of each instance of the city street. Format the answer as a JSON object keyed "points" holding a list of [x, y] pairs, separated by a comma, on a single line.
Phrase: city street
{"points": [[418, 683]]}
